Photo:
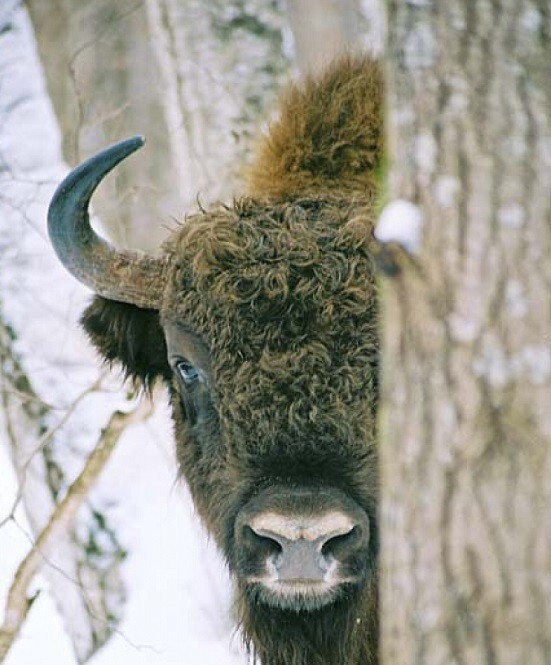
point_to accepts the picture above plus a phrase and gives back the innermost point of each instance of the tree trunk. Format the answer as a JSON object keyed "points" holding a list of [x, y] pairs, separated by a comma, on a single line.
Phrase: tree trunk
{"points": [[220, 63], [325, 29], [466, 415], [334, 23]]}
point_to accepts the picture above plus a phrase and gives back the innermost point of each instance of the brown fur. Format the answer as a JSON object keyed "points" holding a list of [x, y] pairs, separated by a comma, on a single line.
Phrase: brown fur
{"points": [[280, 291], [328, 136], [336, 636]]}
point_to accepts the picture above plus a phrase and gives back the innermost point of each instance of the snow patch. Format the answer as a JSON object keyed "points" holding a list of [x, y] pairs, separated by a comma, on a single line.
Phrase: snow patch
{"points": [[531, 19], [511, 215], [401, 222]]}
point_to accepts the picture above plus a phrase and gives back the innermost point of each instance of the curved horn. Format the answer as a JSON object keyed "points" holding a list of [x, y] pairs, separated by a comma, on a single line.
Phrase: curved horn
{"points": [[118, 275]]}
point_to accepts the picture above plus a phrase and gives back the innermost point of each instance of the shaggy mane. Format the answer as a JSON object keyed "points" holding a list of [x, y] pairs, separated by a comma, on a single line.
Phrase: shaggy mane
{"points": [[328, 136]]}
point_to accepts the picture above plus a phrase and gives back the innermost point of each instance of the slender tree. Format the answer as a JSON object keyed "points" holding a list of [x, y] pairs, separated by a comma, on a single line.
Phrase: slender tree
{"points": [[103, 83], [337, 24], [466, 417], [219, 63]]}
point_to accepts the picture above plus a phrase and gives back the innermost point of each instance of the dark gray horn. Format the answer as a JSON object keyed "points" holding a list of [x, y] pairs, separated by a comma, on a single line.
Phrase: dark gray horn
{"points": [[121, 275]]}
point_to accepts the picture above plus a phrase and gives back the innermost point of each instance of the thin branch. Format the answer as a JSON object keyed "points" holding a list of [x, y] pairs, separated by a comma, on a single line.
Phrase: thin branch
{"points": [[18, 603], [42, 442], [49, 435], [69, 578]]}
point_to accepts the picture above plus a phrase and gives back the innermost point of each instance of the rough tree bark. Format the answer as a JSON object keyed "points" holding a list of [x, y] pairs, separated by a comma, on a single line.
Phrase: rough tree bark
{"points": [[466, 449]]}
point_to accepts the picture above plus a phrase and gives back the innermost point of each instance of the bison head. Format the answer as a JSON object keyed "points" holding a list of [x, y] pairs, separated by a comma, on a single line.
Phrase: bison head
{"points": [[260, 318]]}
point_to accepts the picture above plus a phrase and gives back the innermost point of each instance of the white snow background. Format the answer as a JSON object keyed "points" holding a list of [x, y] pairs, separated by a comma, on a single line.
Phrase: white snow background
{"points": [[178, 607]]}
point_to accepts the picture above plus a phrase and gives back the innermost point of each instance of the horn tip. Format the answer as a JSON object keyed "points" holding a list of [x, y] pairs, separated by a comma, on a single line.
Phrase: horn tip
{"points": [[134, 142]]}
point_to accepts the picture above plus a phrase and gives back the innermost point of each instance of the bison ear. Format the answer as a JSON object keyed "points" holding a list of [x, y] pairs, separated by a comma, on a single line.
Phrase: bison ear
{"points": [[128, 335]]}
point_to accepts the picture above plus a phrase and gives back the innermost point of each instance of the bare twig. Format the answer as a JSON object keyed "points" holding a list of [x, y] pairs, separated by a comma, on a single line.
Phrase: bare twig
{"points": [[43, 441], [18, 603], [13, 374], [47, 437]]}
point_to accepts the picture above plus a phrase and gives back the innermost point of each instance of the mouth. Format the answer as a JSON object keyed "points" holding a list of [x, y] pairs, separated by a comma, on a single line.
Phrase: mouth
{"points": [[298, 594]]}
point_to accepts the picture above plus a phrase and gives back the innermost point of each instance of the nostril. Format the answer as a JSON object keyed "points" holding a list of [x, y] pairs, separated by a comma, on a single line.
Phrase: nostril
{"points": [[341, 543], [261, 543]]}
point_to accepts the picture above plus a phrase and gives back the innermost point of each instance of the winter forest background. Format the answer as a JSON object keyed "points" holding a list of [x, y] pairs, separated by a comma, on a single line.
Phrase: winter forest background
{"points": [[102, 559], [135, 580]]}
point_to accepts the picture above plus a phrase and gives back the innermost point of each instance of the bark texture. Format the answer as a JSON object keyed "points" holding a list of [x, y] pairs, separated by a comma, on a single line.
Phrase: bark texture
{"points": [[466, 450], [219, 64], [325, 29]]}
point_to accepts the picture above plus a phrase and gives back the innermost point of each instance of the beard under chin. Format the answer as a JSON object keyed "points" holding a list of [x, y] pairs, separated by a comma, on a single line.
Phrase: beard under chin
{"points": [[340, 632]]}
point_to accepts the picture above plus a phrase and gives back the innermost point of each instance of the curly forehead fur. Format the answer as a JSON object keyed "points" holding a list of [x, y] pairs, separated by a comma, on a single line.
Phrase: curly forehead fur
{"points": [[284, 296], [281, 285], [290, 258]]}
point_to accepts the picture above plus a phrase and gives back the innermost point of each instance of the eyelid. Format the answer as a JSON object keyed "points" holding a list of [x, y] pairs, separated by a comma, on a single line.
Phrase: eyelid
{"points": [[201, 375], [184, 344], [184, 365]]}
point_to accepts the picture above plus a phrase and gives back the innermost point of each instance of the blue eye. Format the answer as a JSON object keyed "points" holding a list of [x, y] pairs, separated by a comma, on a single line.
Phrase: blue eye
{"points": [[192, 389], [187, 372]]}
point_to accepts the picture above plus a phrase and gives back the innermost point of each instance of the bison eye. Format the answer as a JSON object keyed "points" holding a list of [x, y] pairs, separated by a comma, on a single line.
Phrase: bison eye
{"points": [[187, 372]]}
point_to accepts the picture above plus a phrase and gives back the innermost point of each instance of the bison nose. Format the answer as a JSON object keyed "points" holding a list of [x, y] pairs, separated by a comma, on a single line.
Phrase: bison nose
{"points": [[303, 549]]}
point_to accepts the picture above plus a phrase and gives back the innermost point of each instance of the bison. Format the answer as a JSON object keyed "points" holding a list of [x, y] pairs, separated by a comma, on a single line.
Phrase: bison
{"points": [[260, 317]]}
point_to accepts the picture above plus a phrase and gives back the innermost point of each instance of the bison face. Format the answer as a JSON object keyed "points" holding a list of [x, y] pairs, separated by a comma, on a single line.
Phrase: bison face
{"points": [[294, 539], [261, 321], [269, 319]]}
